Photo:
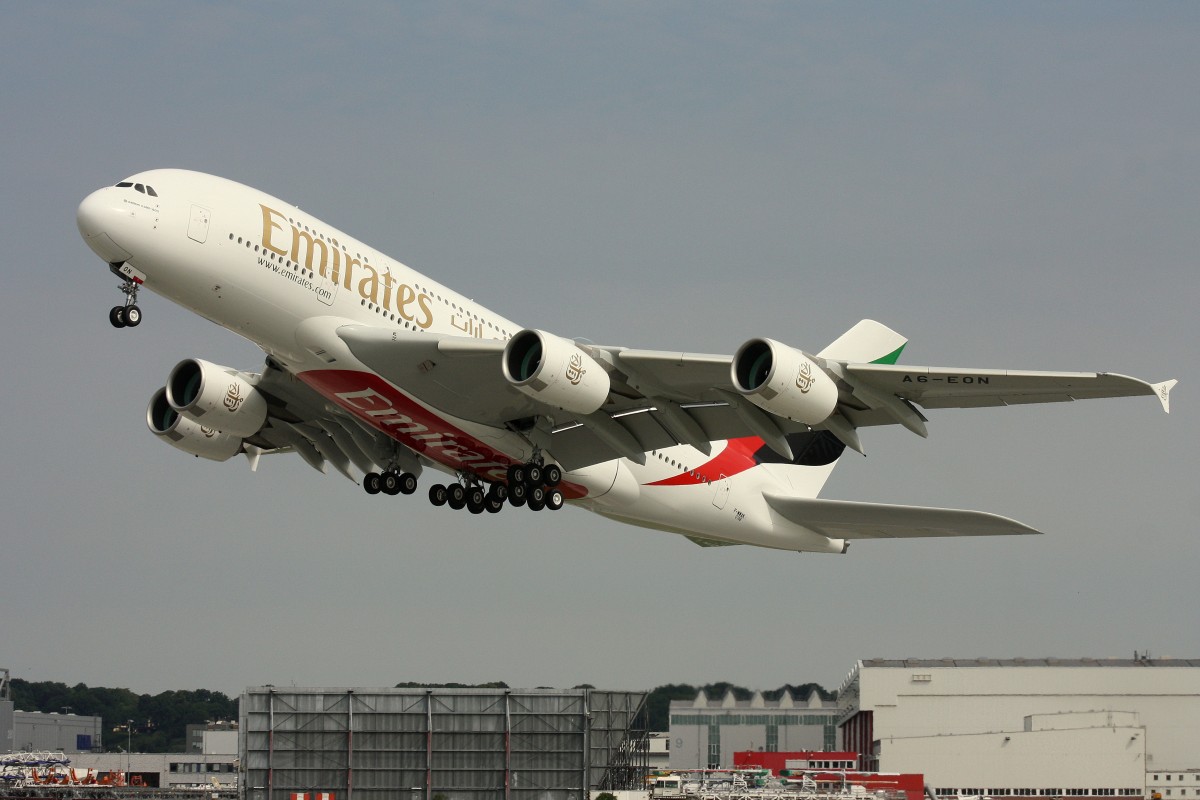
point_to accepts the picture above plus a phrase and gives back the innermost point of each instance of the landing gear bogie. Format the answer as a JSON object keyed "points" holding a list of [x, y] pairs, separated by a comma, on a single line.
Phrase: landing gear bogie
{"points": [[530, 485], [390, 482]]}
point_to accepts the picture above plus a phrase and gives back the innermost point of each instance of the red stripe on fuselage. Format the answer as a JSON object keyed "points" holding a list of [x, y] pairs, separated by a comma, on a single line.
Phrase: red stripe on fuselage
{"points": [[377, 403], [737, 457]]}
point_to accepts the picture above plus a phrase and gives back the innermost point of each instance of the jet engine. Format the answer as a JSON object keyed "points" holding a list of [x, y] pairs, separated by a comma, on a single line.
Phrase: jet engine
{"points": [[216, 397], [186, 434], [783, 381], [552, 370]]}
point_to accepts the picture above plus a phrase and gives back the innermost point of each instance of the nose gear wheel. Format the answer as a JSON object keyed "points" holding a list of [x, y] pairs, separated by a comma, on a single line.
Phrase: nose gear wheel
{"points": [[128, 315]]}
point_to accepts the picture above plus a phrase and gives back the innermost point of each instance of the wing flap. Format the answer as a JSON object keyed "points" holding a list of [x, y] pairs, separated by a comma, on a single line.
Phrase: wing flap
{"points": [[842, 519]]}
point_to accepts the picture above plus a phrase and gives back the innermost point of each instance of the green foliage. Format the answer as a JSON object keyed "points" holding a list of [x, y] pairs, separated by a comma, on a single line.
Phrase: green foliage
{"points": [[658, 704], [421, 685], [606, 796], [159, 721]]}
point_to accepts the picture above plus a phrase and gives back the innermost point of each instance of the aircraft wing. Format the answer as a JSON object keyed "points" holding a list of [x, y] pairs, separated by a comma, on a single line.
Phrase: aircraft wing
{"points": [[841, 519], [658, 399], [944, 387]]}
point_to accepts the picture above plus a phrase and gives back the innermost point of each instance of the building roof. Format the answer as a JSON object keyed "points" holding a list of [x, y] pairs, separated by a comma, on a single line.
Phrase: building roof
{"points": [[927, 663], [757, 700]]}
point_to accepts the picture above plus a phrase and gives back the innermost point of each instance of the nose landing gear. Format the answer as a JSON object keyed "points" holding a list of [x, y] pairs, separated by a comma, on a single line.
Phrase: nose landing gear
{"points": [[128, 315]]}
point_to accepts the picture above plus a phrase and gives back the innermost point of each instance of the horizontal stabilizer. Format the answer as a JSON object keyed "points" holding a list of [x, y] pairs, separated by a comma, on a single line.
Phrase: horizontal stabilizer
{"points": [[841, 519]]}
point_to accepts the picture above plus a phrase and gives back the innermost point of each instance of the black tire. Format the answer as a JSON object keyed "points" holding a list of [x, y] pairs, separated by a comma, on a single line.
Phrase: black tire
{"points": [[408, 483], [533, 474], [516, 475], [536, 505], [552, 476], [499, 491], [493, 506], [517, 494], [537, 494], [371, 483], [457, 496], [133, 316], [390, 484], [438, 495], [554, 499], [117, 317]]}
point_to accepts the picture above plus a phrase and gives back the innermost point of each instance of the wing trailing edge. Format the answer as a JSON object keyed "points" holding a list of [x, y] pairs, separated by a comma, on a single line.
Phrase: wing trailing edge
{"points": [[842, 519]]}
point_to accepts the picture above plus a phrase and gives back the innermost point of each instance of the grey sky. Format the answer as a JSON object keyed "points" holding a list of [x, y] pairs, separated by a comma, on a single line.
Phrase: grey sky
{"points": [[1009, 185]]}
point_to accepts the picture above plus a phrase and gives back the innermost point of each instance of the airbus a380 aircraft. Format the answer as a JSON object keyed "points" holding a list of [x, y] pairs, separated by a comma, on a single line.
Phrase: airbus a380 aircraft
{"points": [[375, 367]]}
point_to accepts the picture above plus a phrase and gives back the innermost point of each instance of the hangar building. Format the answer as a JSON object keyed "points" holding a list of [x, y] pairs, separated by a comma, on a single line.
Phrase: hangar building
{"points": [[414, 743], [1028, 727], [706, 733]]}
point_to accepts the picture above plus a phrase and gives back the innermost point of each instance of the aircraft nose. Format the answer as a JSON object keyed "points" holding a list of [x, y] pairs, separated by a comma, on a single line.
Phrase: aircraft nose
{"points": [[96, 217]]}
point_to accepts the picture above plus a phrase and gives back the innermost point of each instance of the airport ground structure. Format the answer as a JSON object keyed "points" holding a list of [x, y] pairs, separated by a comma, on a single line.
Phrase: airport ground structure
{"points": [[417, 743], [34, 730], [1029, 728], [706, 732]]}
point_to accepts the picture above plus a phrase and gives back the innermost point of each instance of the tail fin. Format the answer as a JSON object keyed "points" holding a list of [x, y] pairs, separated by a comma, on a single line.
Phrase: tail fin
{"points": [[867, 342]]}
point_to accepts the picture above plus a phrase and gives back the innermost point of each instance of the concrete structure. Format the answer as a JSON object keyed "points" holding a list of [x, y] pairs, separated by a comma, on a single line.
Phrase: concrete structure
{"points": [[1171, 785], [658, 751], [69, 733], [212, 737], [7, 727], [706, 733], [413, 744], [164, 770], [1027, 727]]}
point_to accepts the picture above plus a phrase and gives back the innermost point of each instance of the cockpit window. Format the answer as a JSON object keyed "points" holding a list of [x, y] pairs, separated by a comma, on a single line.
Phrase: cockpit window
{"points": [[138, 186]]}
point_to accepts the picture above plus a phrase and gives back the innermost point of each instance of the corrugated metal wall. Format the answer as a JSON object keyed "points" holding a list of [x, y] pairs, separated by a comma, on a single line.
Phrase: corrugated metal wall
{"points": [[417, 743]]}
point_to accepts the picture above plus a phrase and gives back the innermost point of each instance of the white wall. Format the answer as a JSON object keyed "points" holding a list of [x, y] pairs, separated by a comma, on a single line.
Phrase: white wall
{"points": [[926, 701], [1091, 758]]}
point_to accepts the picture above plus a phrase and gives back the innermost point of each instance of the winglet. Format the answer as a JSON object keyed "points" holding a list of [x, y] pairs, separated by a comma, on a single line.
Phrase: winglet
{"points": [[868, 341], [1163, 391]]}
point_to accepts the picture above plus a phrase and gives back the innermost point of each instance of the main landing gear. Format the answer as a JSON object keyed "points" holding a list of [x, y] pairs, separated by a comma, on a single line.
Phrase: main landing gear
{"points": [[531, 485], [390, 481], [128, 315]]}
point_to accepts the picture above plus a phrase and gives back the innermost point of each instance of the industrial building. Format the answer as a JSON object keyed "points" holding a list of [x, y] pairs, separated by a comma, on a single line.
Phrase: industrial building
{"points": [[416, 743], [1029, 727], [706, 733]]}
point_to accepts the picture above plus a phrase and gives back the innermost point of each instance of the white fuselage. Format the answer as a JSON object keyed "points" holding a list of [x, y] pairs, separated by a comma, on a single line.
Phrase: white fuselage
{"points": [[276, 275]]}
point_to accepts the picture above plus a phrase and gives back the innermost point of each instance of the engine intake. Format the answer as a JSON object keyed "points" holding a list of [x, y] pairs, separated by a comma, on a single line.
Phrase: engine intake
{"points": [[555, 371], [186, 434], [216, 397], [783, 381]]}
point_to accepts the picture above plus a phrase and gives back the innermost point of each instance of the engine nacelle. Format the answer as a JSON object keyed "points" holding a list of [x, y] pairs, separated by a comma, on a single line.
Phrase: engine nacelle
{"points": [[552, 370], [186, 434], [216, 397], [782, 380]]}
